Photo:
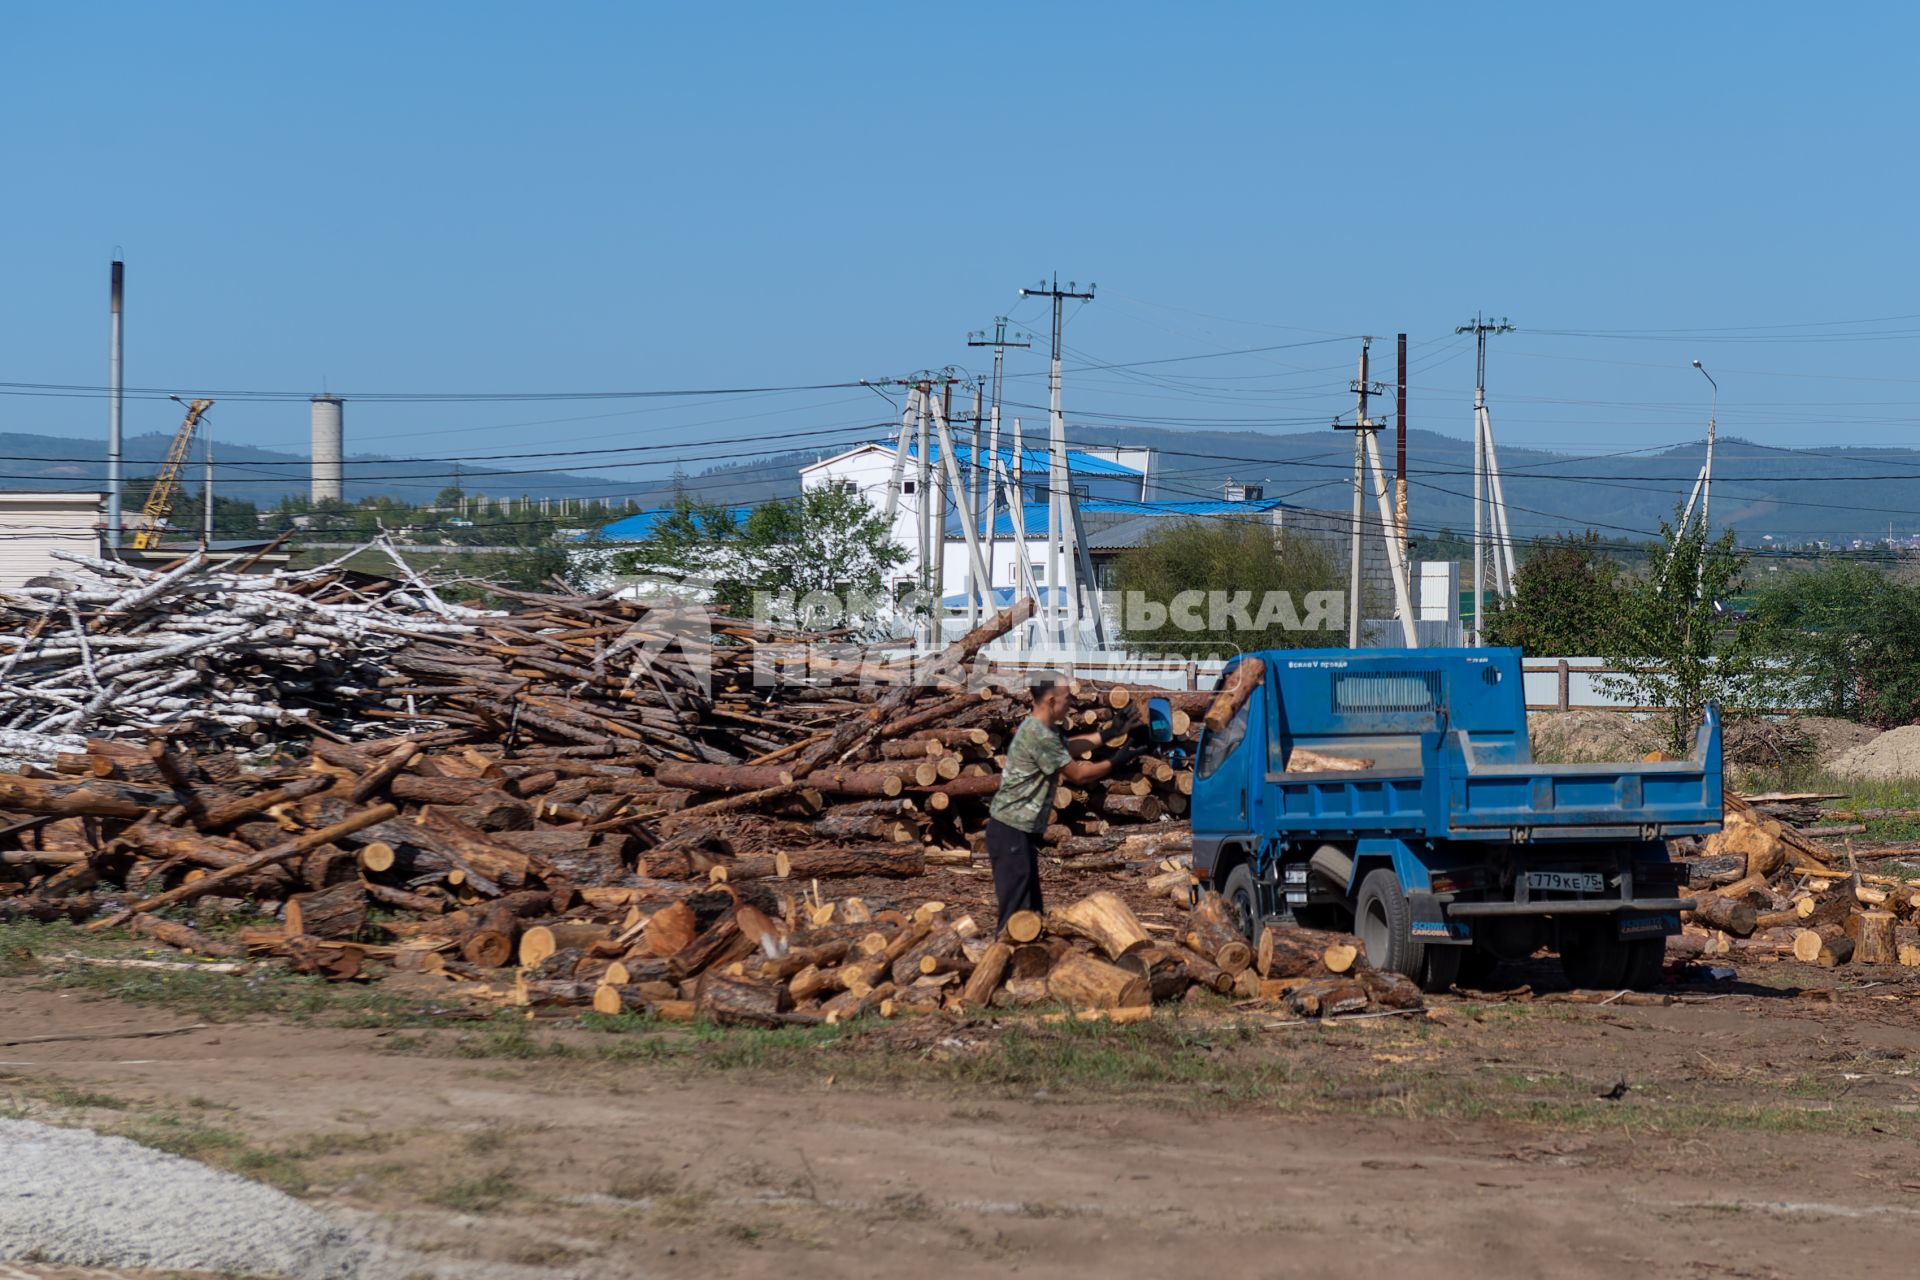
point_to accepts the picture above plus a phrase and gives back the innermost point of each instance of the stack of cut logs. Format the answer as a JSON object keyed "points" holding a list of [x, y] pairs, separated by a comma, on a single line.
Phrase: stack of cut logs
{"points": [[1766, 890]]}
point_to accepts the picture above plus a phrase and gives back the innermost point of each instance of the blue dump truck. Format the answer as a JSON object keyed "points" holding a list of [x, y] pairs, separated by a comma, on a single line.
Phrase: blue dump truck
{"points": [[1393, 792]]}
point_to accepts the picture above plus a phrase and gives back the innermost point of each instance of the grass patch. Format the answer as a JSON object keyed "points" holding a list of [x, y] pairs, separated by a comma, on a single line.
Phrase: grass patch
{"points": [[270, 990], [476, 1195], [72, 1096], [643, 1184], [170, 1132]]}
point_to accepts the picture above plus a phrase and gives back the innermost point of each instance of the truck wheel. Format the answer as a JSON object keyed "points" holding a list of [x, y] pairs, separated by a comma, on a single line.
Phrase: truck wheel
{"points": [[1646, 961], [1592, 955], [1244, 901], [1383, 919]]}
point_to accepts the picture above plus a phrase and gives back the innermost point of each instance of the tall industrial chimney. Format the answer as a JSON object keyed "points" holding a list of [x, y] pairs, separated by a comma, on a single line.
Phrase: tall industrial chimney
{"points": [[328, 442], [116, 390]]}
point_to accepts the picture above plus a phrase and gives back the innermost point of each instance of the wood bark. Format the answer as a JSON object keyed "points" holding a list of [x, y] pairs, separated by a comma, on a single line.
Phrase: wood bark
{"points": [[1085, 982], [279, 853], [1233, 694], [334, 913], [1212, 931], [1103, 919]]}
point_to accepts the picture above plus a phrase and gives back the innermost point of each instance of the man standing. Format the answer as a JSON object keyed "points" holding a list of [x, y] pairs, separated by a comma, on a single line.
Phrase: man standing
{"points": [[1037, 758]]}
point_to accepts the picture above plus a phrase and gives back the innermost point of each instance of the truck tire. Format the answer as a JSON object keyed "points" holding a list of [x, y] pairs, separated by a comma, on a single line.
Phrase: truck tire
{"points": [[1383, 919], [1592, 955], [1646, 961], [1244, 899]]}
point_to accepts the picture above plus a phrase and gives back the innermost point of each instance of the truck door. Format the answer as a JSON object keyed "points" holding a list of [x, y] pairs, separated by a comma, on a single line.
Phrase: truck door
{"points": [[1223, 771]]}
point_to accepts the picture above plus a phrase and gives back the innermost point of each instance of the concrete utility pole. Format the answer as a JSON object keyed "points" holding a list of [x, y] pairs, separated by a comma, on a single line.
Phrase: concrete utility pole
{"points": [[968, 530], [1366, 459], [1487, 492], [1706, 475], [999, 342], [1060, 559], [116, 395]]}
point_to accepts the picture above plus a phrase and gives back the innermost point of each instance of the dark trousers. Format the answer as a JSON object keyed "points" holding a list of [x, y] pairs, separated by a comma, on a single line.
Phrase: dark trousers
{"points": [[1016, 868]]}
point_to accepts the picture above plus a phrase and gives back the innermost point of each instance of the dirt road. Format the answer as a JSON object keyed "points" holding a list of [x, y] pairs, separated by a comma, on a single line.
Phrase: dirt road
{"points": [[1755, 1137]]}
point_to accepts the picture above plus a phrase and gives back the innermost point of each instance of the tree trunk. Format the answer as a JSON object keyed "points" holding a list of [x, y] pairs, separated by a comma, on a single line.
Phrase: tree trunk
{"points": [[1212, 932], [1304, 953], [1872, 934], [896, 862], [738, 1000], [279, 853], [1103, 919], [1328, 997], [541, 941], [1724, 914], [1233, 695], [1086, 983], [336, 912], [1145, 808], [986, 975]]}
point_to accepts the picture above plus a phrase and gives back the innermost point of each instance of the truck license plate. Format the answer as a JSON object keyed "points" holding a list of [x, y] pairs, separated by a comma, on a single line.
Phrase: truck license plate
{"points": [[1566, 881]]}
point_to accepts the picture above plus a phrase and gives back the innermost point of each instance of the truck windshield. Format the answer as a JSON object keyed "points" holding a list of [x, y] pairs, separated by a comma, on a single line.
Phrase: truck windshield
{"points": [[1218, 746]]}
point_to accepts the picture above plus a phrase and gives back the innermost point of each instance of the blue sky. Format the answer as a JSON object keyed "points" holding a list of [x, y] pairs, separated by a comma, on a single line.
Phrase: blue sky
{"points": [[515, 198]]}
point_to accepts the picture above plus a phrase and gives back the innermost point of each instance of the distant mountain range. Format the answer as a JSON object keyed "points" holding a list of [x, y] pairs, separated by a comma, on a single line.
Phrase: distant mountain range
{"points": [[1785, 495], [1795, 495], [264, 476]]}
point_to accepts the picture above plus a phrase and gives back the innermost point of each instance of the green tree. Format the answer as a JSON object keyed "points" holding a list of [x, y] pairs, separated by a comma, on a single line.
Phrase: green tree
{"points": [[1247, 585], [1566, 599], [1677, 650], [829, 541], [1849, 637], [695, 541]]}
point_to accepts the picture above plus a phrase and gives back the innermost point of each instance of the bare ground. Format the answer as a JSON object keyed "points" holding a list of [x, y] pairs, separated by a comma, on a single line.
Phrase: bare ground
{"points": [[1766, 1132]]}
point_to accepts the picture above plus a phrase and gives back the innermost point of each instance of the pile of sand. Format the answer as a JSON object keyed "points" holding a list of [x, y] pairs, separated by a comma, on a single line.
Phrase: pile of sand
{"points": [[1895, 754], [1832, 738], [1583, 736]]}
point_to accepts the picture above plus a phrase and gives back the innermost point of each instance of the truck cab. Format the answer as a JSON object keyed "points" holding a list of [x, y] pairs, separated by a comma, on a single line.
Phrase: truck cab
{"points": [[1394, 792]]}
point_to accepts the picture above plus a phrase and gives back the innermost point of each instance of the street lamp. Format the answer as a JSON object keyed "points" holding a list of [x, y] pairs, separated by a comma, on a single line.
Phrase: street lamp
{"points": [[1706, 481]]}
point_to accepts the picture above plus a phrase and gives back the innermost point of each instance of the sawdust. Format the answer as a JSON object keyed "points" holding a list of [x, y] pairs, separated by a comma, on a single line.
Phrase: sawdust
{"points": [[1895, 754]]}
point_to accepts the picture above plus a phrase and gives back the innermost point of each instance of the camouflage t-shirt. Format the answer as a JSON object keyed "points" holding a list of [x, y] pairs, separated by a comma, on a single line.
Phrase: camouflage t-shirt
{"points": [[1034, 760]]}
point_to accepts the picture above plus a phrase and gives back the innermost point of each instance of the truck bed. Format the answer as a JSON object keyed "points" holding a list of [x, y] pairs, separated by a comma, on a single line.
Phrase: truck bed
{"points": [[1437, 785]]}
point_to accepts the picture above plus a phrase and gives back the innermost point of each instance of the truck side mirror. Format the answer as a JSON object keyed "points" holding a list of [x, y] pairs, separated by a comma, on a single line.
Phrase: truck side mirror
{"points": [[1159, 720]]}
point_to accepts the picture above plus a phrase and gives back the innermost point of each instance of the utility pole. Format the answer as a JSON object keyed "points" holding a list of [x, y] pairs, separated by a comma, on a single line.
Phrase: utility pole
{"points": [[1367, 460], [974, 487], [1486, 483], [1060, 561], [999, 342], [116, 394], [1706, 475], [1361, 425], [206, 489], [1400, 446]]}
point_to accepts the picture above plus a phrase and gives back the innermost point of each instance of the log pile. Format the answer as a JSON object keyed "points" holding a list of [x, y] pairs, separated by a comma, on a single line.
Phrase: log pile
{"points": [[1767, 891], [577, 783]]}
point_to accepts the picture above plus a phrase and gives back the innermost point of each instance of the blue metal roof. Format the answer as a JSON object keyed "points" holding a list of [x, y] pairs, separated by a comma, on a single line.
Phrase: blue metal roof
{"points": [[639, 526], [1033, 460]]}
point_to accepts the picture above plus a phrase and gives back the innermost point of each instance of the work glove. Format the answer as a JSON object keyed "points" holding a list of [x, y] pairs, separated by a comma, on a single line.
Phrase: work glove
{"points": [[1125, 754]]}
